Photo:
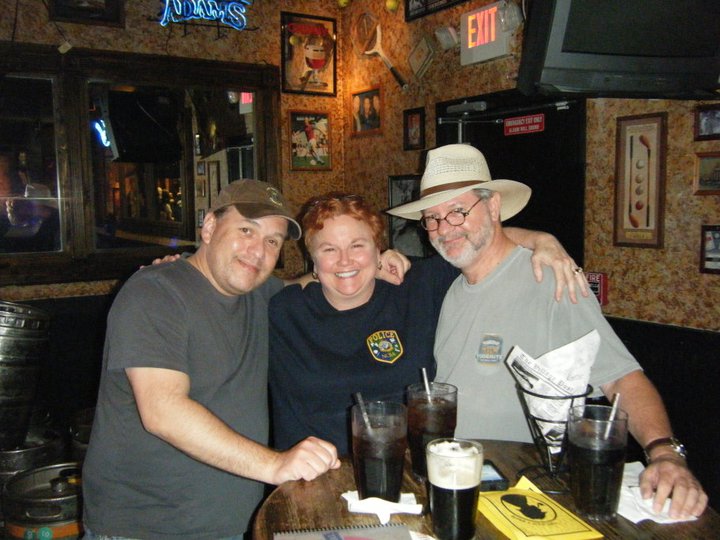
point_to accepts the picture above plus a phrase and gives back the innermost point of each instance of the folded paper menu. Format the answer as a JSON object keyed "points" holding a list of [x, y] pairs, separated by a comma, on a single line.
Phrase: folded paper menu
{"points": [[524, 512], [394, 531]]}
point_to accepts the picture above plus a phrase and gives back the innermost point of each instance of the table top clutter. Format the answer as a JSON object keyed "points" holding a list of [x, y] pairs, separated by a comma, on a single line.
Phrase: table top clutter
{"points": [[319, 504]]}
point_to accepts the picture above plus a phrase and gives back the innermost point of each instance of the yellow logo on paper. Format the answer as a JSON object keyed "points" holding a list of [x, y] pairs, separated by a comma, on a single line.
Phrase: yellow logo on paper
{"points": [[528, 507]]}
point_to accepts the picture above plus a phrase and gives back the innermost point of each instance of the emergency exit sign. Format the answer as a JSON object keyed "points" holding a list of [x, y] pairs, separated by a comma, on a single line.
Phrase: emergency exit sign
{"points": [[523, 125], [481, 36]]}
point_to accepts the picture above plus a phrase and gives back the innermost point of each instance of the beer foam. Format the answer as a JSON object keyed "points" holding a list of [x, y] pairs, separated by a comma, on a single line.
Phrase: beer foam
{"points": [[452, 449], [450, 466]]}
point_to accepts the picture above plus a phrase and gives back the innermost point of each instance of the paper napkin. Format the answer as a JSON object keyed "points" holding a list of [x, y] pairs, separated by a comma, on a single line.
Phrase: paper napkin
{"points": [[633, 507], [380, 507]]}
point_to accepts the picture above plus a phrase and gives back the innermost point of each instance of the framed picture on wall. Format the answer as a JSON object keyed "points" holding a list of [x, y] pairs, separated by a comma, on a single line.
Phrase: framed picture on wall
{"points": [[366, 112], [309, 55], [200, 189], [200, 217], [104, 12], [200, 168], [414, 9], [707, 122], [421, 56], [641, 146], [214, 181], [406, 236], [706, 180], [310, 141], [710, 249], [414, 129]]}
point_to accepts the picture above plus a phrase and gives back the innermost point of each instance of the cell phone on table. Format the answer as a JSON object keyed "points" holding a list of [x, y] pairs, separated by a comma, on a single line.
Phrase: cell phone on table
{"points": [[492, 478]]}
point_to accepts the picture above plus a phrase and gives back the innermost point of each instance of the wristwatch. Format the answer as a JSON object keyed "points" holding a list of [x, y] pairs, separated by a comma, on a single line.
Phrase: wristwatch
{"points": [[674, 444]]}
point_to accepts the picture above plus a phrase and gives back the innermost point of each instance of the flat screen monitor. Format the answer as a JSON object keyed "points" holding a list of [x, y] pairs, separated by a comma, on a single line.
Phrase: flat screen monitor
{"points": [[623, 48]]}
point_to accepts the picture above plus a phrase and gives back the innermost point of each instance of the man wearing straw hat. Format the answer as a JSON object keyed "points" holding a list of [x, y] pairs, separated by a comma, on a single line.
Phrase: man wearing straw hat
{"points": [[495, 304]]}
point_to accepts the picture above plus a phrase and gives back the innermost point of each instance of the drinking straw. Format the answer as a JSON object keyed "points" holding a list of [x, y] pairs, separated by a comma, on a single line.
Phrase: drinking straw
{"points": [[613, 412], [363, 410], [426, 382]]}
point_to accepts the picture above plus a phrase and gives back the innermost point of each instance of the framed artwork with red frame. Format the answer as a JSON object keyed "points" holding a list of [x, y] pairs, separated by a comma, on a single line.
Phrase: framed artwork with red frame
{"points": [[641, 147]]}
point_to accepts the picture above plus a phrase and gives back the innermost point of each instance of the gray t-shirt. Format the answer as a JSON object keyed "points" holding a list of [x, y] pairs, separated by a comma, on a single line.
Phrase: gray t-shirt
{"points": [[480, 323], [135, 484]]}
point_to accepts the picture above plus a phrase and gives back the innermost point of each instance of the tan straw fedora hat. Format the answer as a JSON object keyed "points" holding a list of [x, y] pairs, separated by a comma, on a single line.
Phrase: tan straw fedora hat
{"points": [[455, 169]]}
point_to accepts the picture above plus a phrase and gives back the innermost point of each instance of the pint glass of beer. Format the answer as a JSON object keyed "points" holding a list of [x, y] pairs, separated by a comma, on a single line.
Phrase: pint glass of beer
{"points": [[379, 441], [454, 469]]}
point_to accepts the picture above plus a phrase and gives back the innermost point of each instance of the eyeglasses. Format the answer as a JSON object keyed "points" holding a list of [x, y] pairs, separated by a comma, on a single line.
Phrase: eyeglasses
{"points": [[454, 217]]}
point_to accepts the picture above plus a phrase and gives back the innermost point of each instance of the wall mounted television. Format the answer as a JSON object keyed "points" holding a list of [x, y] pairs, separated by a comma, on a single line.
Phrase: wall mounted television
{"points": [[622, 48]]}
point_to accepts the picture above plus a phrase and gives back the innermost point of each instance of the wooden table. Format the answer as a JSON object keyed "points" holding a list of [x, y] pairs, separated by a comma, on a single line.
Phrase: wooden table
{"points": [[317, 504]]}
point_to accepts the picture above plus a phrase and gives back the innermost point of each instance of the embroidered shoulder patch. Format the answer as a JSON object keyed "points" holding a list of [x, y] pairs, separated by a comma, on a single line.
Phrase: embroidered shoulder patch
{"points": [[385, 346], [490, 349]]}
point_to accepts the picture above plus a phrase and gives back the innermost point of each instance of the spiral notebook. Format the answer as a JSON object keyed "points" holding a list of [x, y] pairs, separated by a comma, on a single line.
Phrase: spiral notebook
{"points": [[392, 531]]}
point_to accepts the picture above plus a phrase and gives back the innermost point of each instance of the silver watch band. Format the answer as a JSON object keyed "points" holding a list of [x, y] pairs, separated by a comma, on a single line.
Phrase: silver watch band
{"points": [[674, 444]]}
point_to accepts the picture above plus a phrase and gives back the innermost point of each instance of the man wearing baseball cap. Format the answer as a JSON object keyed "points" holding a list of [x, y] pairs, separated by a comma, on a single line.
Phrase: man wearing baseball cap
{"points": [[34, 221], [496, 304], [178, 447]]}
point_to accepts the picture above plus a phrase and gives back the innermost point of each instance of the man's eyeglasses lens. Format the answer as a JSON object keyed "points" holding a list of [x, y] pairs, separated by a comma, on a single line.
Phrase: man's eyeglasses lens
{"points": [[454, 217]]}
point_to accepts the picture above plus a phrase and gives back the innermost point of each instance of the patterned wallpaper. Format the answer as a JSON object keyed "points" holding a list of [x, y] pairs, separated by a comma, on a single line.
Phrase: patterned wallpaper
{"points": [[660, 285]]}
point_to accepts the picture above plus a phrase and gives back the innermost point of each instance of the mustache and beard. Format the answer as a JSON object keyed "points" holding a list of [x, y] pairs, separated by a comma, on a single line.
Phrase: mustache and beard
{"points": [[463, 254]]}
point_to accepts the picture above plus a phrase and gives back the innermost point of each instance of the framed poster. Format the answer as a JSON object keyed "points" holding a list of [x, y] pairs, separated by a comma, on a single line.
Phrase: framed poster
{"points": [[104, 12], [366, 112], [310, 141], [214, 181], [706, 180], [414, 129], [405, 235], [707, 122], [421, 56], [414, 9], [641, 145], [200, 189], [710, 249], [309, 55]]}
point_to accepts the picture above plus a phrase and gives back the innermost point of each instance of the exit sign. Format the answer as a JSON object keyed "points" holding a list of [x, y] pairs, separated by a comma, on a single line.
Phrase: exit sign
{"points": [[481, 36]]}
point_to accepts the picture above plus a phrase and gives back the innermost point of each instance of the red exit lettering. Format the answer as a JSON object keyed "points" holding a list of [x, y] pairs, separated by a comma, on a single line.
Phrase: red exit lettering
{"points": [[481, 27]]}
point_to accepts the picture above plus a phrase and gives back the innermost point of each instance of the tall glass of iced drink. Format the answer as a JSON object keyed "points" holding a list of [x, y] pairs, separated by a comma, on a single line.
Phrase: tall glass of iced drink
{"points": [[379, 441], [596, 453], [431, 416]]}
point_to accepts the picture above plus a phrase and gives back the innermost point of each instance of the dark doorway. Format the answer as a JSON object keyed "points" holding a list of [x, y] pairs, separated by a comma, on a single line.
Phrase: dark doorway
{"points": [[547, 152]]}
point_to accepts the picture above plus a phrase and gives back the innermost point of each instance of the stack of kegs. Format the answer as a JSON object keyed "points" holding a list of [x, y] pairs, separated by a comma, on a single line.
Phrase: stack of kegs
{"points": [[24, 445], [23, 345]]}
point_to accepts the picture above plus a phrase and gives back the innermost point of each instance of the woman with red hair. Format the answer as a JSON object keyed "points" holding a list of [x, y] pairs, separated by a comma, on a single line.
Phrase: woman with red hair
{"points": [[349, 332]]}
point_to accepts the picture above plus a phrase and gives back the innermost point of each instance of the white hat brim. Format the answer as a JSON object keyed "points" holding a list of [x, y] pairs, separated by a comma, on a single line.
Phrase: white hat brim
{"points": [[514, 197]]}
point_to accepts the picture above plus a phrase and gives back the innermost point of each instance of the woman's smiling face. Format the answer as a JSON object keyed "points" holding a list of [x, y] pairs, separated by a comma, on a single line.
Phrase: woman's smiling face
{"points": [[346, 259]]}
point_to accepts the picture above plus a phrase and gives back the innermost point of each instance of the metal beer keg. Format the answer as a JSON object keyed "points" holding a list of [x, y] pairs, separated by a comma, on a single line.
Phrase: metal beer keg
{"points": [[44, 503], [23, 344], [42, 446]]}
